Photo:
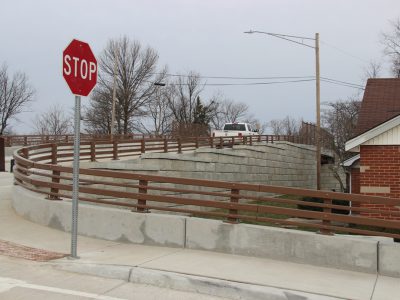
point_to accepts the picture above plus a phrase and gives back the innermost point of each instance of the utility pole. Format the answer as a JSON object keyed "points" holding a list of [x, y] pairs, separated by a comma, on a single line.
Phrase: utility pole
{"points": [[299, 40], [112, 131], [318, 105]]}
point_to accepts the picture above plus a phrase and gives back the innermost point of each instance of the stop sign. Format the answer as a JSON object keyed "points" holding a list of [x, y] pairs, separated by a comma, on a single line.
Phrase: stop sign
{"points": [[79, 68]]}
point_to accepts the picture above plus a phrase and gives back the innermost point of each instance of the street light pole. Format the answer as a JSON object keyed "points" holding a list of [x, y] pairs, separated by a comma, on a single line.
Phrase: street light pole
{"points": [[318, 105], [318, 92]]}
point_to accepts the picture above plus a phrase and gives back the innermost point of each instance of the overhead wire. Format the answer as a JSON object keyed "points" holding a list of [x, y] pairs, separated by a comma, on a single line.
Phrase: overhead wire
{"points": [[296, 79]]}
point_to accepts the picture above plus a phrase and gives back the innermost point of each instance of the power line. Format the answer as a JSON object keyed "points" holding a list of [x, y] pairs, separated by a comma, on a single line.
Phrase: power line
{"points": [[345, 52], [297, 79], [235, 77], [343, 84], [258, 83]]}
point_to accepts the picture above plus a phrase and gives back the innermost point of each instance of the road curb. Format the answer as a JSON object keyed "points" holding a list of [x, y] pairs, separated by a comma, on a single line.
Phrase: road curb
{"points": [[189, 283]]}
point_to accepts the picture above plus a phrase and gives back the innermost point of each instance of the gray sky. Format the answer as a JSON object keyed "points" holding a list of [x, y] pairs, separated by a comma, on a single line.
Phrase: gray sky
{"points": [[205, 36]]}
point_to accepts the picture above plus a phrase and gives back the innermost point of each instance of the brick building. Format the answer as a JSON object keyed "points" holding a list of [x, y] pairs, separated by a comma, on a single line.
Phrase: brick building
{"points": [[376, 170]]}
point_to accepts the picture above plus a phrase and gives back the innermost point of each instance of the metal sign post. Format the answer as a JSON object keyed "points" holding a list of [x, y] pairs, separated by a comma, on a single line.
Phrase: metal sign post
{"points": [[75, 177], [80, 73]]}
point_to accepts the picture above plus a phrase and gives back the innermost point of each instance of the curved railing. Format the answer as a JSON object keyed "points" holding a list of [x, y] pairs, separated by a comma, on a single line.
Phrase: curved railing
{"points": [[45, 169]]}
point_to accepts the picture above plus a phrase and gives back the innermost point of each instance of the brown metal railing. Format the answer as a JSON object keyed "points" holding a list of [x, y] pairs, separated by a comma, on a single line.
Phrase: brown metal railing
{"points": [[35, 139], [38, 169], [29, 140]]}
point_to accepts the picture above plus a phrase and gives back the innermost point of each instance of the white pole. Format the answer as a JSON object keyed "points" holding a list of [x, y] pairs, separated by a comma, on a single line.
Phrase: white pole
{"points": [[75, 177]]}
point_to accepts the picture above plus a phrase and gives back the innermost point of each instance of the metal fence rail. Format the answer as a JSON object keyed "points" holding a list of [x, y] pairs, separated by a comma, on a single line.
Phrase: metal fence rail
{"points": [[38, 169], [28, 140]]}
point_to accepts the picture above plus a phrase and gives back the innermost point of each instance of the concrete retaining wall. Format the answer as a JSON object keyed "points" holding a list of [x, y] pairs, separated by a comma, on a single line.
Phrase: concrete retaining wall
{"points": [[102, 222], [282, 244], [389, 259], [283, 164], [212, 235]]}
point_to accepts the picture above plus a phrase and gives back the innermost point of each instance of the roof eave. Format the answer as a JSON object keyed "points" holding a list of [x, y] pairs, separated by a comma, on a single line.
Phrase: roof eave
{"points": [[353, 145]]}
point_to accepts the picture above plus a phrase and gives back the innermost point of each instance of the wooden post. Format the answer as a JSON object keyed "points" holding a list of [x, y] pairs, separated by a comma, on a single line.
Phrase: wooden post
{"points": [[142, 190], [221, 142], [142, 146], [25, 141], [165, 144], [92, 151], [259, 138], [2, 155], [327, 211], [234, 199], [251, 140], [211, 142], [55, 178], [115, 150], [179, 145], [197, 142]]}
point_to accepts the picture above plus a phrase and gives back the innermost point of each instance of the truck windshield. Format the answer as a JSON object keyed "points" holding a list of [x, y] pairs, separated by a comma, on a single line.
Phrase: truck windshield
{"points": [[237, 127]]}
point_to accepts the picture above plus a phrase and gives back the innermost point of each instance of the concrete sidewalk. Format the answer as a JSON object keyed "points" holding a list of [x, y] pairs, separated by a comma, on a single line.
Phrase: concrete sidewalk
{"points": [[223, 275]]}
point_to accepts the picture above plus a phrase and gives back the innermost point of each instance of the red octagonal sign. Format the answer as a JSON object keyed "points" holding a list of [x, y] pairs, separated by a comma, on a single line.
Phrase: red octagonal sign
{"points": [[79, 68]]}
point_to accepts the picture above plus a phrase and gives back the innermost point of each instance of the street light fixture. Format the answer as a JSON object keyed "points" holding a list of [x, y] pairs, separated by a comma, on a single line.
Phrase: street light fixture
{"points": [[291, 38]]}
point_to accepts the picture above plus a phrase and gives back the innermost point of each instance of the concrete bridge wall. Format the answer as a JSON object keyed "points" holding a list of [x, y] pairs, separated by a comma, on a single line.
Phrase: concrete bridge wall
{"points": [[283, 164], [361, 254]]}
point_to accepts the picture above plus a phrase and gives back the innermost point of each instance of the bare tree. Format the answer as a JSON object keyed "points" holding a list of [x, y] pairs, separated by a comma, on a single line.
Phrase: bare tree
{"points": [[135, 78], [183, 95], [15, 94], [158, 116], [340, 121], [391, 42], [53, 122], [372, 70], [285, 126], [229, 112]]}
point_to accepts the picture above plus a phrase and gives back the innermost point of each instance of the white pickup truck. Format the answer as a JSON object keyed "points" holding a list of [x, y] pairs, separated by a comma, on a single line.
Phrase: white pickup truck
{"points": [[235, 129]]}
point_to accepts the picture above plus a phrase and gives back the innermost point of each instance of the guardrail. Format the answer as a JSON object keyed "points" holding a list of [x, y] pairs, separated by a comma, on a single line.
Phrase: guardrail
{"points": [[38, 169], [35, 139], [28, 140]]}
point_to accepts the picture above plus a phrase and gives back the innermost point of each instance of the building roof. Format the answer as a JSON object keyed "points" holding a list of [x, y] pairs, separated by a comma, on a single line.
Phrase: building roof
{"points": [[349, 162], [353, 145], [381, 102], [380, 111]]}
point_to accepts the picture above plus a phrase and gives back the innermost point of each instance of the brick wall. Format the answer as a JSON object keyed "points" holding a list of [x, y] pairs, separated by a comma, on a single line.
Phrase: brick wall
{"points": [[355, 180], [380, 176]]}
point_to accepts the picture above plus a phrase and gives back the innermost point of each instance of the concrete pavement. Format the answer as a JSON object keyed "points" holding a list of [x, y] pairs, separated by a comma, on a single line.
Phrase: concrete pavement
{"points": [[216, 274]]}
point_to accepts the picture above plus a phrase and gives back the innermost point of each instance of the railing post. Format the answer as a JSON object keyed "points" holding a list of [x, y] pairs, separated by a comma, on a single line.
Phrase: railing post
{"points": [[142, 190], [92, 151], [25, 141], [115, 150], [211, 142], [221, 142], [233, 141], [55, 178], [142, 146], [179, 145], [197, 142], [233, 200], [259, 138], [251, 140], [327, 211], [66, 138], [165, 144], [2, 155]]}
